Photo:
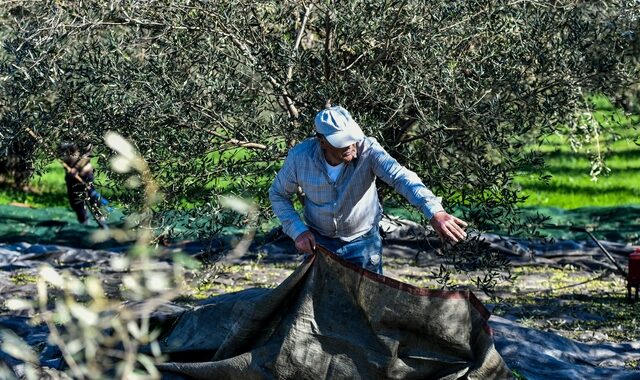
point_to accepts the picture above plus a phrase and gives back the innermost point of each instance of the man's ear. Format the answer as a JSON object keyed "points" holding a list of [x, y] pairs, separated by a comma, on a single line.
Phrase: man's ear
{"points": [[323, 142]]}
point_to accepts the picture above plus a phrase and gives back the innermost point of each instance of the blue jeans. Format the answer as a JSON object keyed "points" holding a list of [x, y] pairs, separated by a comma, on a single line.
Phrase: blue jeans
{"points": [[365, 251]]}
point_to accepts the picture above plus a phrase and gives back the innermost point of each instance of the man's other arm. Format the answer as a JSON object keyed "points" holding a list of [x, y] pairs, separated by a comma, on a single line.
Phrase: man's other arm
{"points": [[280, 193]]}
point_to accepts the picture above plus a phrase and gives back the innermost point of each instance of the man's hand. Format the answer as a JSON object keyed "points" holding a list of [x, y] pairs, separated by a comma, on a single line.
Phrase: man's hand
{"points": [[447, 226], [306, 242]]}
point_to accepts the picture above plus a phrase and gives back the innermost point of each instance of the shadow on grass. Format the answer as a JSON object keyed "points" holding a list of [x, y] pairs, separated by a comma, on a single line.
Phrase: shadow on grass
{"points": [[630, 191], [572, 171], [44, 199], [48, 226], [623, 154]]}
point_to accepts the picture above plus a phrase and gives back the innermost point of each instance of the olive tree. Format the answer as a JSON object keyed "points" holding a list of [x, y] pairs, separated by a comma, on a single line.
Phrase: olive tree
{"points": [[213, 93]]}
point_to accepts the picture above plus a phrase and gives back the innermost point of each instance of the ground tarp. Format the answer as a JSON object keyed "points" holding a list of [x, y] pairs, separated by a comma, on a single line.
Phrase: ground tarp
{"points": [[332, 320], [541, 355], [536, 354]]}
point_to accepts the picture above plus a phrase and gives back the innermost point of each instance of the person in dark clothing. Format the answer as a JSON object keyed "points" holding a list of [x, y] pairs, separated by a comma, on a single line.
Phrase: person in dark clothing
{"points": [[80, 188]]}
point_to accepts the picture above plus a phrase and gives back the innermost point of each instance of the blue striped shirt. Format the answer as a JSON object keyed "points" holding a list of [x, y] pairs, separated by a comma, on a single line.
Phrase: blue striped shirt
{"points": [[348, 207]]}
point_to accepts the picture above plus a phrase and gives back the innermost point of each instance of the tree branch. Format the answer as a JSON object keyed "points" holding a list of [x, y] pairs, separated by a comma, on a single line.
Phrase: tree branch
{"points": [[327, 46], [243, 144], [288, 102], [298, 39]]}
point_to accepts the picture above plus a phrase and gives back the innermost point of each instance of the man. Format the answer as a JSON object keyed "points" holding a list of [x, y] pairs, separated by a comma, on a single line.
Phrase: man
{"points": [[337, 171], [79, 181]]}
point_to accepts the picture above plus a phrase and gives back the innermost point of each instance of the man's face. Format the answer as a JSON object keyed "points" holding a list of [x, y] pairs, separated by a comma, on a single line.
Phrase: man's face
{"points": [[336, 156]]}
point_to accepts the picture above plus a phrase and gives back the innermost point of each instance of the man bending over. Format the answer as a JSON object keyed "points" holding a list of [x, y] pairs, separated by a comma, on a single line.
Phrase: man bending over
{"points": [[337, 172]]}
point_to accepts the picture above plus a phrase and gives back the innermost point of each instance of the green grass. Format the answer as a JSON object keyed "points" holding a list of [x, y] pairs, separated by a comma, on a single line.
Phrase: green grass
{"points": [[571, 185], [45, 190]]}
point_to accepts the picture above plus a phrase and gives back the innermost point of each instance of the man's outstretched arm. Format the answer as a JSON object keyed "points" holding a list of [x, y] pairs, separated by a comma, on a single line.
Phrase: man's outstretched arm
{"points": [[409, 185]]}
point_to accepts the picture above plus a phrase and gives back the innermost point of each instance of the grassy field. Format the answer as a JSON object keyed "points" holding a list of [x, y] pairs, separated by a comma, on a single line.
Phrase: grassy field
{"points": [[571, 185], [46, 190]]}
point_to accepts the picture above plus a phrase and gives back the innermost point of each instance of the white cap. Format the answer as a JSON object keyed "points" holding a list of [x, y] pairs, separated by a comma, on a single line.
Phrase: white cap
{"points": [[338, 127]]}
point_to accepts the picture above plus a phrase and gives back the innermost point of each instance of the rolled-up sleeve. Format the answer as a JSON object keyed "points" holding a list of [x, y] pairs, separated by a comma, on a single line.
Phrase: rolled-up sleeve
{"points": [[404, 181], [280, 193]]}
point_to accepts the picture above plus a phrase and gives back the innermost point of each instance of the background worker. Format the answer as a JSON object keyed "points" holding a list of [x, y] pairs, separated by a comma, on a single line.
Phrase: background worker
{"points": [[337, 171], [79, 181]]}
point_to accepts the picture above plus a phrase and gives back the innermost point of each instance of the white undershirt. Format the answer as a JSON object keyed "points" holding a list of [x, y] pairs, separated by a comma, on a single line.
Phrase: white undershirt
{"points": [[334, 171]]}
